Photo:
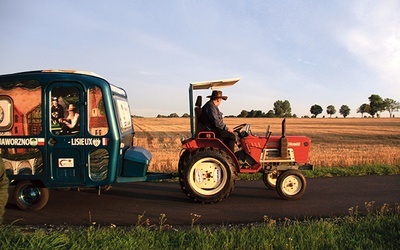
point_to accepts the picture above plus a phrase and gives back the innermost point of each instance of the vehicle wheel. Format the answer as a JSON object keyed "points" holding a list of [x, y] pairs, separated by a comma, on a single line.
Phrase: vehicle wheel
{"points": [[269, 179], [27, 196], [181, 164], [291, 184], [207, 175]]}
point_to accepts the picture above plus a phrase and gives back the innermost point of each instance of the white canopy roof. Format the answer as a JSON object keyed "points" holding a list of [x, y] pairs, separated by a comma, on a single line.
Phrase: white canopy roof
{"points": [[216, 84]]}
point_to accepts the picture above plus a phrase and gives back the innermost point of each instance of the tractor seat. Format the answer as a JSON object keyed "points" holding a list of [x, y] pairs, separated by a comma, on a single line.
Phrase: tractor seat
{"points": [[197, 113]]}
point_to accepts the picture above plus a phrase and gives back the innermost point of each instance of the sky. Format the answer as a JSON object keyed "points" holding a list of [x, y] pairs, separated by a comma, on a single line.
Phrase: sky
{"points": [[307, 52]]}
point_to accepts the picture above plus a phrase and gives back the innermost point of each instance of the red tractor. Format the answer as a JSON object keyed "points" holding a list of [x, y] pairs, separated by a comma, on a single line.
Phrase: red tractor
{"points": [[208, 169]]}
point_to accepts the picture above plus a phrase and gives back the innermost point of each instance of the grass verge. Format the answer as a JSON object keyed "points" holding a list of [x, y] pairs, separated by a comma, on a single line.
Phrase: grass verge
{"points": [[360, 170], [377, 230]]}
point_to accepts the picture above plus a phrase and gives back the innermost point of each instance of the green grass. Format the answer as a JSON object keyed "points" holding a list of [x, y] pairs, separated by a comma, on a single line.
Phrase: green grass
{"points": [[360, 170], [380, 230]]}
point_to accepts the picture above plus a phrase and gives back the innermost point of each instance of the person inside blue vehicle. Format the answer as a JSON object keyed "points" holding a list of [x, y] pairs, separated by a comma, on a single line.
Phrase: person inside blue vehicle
{"points": [[211, 120], [57, 111], [70, 124]]}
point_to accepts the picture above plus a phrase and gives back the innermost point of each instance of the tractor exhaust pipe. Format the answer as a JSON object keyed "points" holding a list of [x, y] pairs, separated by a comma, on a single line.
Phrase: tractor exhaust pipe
{"points": [[284, 127], [284, 141]]}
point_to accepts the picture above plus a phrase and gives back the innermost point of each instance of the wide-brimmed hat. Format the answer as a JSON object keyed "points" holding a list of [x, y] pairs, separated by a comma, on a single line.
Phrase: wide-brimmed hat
{"points": [[71, 107], [217, 94]]}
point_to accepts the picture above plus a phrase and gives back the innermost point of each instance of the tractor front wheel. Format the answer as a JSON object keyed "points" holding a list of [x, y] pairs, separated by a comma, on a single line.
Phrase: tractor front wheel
{"points": [[269, 179], [207, 175], [291, 184]]}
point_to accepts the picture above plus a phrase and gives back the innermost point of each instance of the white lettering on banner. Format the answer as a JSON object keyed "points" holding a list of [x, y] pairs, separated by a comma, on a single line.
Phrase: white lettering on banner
{"points": [[85, 142], [34, 142], [22, 142]]}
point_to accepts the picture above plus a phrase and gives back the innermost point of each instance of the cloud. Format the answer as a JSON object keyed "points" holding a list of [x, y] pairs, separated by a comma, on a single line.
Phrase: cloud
{"points": [[373, 37]]}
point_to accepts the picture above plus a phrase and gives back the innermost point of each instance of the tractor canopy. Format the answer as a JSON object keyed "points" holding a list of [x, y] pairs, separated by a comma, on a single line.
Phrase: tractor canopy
{"points": [[216, 84]]}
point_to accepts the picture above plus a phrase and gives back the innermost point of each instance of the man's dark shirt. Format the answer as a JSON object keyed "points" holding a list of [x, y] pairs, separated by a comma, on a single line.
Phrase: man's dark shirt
{"points": [[211, 118]]}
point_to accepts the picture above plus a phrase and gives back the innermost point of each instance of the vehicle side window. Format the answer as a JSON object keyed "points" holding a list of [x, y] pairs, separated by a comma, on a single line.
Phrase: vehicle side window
{"points": [[21, 108], [6, 113], [98, 124], [64, 111]]}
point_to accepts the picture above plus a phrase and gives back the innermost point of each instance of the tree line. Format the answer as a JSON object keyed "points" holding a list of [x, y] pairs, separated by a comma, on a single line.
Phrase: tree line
{"points": [[375, 106], [283, 109]]}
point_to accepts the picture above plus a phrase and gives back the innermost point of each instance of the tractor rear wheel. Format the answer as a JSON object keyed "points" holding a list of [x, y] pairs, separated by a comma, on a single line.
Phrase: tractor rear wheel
{"points": [[291, 184], [207, 175]]}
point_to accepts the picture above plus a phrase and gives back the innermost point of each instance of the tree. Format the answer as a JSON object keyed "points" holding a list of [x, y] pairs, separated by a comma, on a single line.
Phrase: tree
{"points": [[252, 113], [375, 104], [270, 113], [330, 110], [244, 113], [364, 108], [282, 108], [344, 110], [315, 110], [391, 106]]}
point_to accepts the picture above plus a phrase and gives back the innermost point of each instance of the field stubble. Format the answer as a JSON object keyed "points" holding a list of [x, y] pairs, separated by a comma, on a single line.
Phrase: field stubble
{"points": [[335, 142]]}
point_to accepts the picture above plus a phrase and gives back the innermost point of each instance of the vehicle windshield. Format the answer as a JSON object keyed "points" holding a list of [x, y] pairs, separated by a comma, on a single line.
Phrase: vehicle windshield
{"points": [[124, 115], [122, 109]]}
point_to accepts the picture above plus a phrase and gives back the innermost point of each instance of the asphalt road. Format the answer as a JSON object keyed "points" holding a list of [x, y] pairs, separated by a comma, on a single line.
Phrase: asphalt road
{"points": [[249, 202]]}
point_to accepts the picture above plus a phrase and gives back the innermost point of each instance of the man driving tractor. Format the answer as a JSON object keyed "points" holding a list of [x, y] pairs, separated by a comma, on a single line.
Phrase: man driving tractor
{"points": [[211, 120]]}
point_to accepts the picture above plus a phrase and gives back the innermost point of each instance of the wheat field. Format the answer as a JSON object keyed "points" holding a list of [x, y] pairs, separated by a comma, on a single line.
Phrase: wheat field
{"points": [[335, 142]]}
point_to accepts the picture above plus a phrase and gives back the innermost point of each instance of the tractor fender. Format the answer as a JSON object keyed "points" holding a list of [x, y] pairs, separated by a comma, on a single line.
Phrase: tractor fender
{"points": [[197, 143]]}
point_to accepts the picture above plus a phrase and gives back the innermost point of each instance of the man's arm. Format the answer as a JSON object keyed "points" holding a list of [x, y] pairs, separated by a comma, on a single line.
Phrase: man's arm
{"points": [[73, 122]]}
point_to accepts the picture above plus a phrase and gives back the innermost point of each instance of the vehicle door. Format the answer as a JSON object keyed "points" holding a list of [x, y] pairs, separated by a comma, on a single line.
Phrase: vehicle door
{"points": [[65, 117]]}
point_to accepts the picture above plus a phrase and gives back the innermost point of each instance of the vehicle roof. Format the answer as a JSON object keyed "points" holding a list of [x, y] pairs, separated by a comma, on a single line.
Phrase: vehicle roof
{"points": [[79, 72], [72, 71], [215, 84]]}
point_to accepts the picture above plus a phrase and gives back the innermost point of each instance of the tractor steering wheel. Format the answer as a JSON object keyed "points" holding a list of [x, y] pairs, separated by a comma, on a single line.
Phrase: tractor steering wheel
{"points": [[240, 133], [239, 127]]}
